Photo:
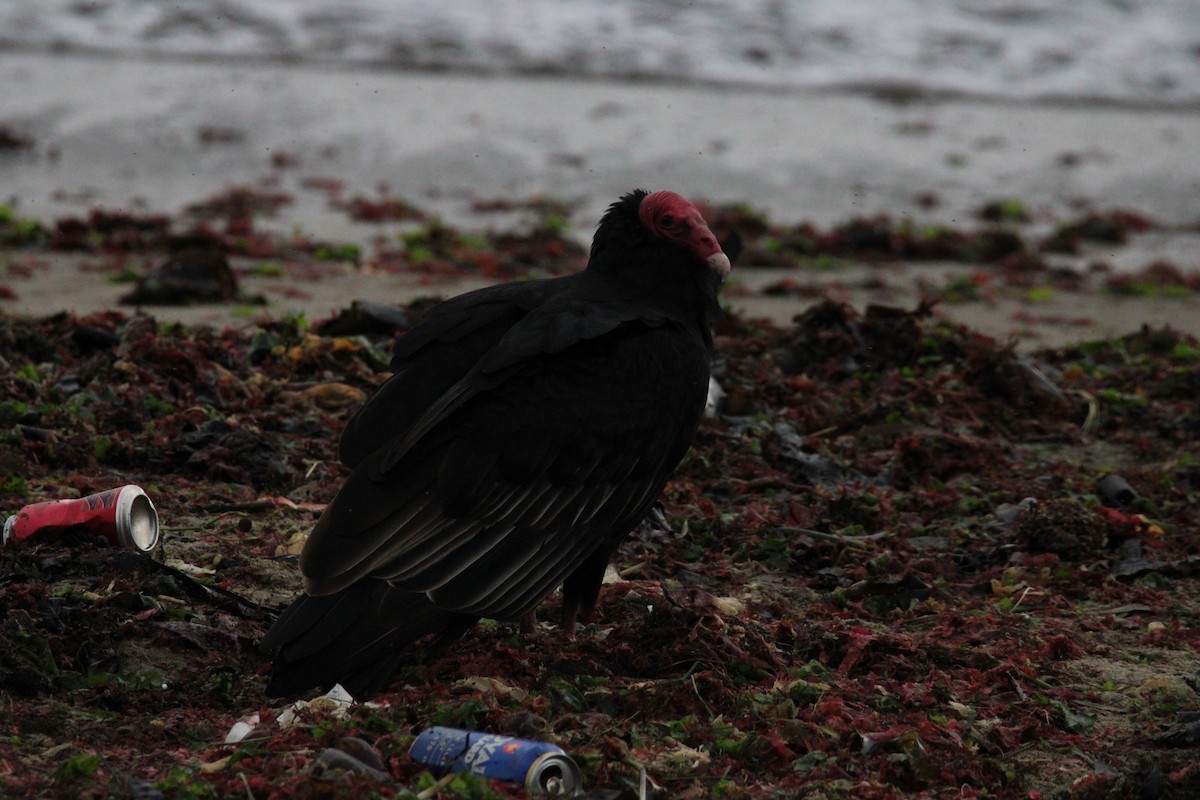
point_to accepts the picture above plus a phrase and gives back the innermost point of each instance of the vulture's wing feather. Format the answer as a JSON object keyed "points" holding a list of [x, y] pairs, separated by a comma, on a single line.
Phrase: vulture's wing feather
{"points": [[432, 357], [504, 491], [449, 361]]}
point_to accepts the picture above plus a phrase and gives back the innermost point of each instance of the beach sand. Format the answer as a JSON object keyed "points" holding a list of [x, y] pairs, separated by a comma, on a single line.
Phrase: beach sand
{"points": [[159, 135]]}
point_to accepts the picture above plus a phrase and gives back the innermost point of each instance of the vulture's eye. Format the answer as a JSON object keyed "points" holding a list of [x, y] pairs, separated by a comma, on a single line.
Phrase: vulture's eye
{"points": [[667, 220]]}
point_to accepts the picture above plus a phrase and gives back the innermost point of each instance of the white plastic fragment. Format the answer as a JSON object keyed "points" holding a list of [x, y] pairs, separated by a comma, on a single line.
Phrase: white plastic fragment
{"points": [[716, 394], [241, 729], [334, 703]]}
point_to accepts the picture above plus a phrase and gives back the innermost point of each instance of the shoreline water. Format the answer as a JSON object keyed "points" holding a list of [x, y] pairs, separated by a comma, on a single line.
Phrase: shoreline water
{"points": [[1037, 49], [890, 92]]}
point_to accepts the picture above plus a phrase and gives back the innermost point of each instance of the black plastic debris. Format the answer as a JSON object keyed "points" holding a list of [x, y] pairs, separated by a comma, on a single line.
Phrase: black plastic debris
{"points": [[196, 272], [1114, 491], [366, 317]]}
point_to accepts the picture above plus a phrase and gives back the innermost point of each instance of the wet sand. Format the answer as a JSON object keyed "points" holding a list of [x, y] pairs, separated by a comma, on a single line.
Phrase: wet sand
{"points": [[156, 136]]}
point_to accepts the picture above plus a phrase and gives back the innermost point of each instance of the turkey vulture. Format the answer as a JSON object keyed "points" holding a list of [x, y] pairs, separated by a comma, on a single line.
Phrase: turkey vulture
{"points": [[526, 429]]}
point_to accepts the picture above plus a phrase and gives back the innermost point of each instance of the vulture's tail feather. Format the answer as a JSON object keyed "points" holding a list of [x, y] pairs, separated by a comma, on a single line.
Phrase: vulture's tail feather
{"points": [[357, 637]]}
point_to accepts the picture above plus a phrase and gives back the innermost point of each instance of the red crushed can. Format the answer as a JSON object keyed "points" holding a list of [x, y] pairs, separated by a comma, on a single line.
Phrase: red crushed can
{"points": [[123, 516]]}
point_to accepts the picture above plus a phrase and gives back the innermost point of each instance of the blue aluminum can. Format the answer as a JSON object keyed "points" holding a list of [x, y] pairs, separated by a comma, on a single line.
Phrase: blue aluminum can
{"points": [[544, 769]]}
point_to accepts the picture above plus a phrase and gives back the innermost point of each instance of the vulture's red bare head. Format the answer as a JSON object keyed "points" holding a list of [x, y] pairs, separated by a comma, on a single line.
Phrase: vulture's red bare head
{"points": [[671, 216]]}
